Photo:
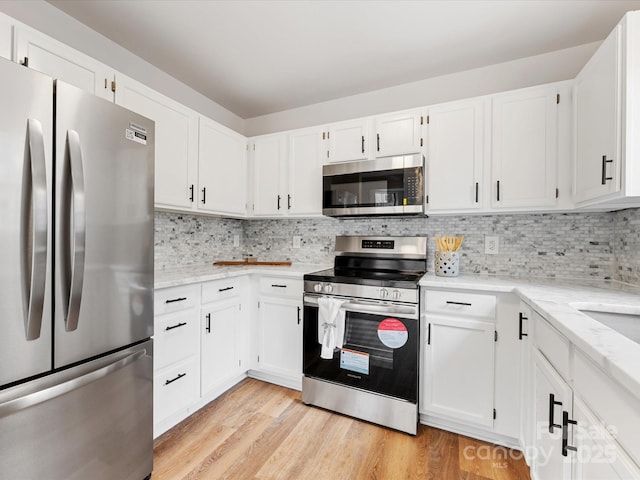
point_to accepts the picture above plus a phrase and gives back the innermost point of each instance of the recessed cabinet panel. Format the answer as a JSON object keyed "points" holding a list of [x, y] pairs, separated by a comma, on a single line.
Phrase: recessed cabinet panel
{"points": [[398, 134], [280, 336], [597, 123], [269, 155], [176, 142], [46, 55], [459, 366], [222, 180], [455, 157], [219, 336], [523, 156], [304, 195], [5, 36], [348, 141]]}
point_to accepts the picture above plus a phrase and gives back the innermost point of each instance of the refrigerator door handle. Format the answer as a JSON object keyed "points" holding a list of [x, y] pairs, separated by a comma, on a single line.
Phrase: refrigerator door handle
{"points": [[41, 396], [34, 233], [75, 261]]}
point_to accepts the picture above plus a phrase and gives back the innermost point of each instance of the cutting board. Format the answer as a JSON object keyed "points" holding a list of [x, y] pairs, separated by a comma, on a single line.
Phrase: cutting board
{"points": [[246, 263]]}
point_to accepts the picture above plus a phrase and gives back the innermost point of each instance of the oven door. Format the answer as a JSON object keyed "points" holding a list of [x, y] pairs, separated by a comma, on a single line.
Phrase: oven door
{"points": [[385, 186], [379, 350]]}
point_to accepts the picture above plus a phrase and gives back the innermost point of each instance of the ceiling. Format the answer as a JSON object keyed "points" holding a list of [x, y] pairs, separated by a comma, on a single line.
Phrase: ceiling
{"points": [[256, 57]]}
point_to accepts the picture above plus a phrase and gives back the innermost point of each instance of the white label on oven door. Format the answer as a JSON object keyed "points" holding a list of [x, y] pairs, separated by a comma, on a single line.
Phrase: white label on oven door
{"points": [[392, 333], [354, 361]]}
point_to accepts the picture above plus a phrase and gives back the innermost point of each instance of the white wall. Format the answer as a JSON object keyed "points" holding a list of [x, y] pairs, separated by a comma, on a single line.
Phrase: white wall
{"points": [[525, 72], [47, 19]]}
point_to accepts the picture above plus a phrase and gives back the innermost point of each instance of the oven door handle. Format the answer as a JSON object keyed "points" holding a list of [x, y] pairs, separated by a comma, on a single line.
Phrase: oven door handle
{"points": [[387, 309], [370, 307]]}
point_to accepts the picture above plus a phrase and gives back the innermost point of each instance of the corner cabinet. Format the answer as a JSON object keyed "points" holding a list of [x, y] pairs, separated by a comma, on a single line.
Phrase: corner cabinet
{"points": [[223, 333], [176, 129], [455, 156], [44, 54], [524, 148], [287, 174], [606, 169], [222, 170]]}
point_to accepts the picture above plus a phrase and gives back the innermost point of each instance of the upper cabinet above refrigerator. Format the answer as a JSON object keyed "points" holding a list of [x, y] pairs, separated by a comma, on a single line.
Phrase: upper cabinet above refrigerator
{"points": [[44, 54]]}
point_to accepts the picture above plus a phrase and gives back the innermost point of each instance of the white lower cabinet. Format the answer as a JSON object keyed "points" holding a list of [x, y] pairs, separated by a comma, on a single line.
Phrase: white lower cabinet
{"points": [[459, 358], [176, 358], [552, 398], [279, 340]]}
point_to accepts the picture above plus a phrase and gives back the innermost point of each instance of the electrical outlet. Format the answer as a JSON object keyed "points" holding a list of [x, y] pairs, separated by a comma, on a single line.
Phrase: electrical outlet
{"points": [[297, 241], [491, 244], [236, 240]]}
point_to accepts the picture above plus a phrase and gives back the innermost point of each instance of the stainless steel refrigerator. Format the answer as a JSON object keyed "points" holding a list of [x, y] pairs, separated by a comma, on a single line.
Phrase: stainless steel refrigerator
{"points": [[76, 283]]}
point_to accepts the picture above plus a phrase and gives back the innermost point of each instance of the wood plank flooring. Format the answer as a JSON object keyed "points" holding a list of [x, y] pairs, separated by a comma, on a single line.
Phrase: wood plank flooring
{"points": [[262, 431]]}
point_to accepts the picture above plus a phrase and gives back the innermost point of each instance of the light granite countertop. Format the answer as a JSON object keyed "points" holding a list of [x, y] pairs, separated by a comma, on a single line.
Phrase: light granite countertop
{"points": [[173, 277], [556, 301]]}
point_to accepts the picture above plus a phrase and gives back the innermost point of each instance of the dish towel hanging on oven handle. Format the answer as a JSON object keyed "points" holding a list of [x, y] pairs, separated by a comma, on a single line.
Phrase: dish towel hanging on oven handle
{"points": [[330, 325]]}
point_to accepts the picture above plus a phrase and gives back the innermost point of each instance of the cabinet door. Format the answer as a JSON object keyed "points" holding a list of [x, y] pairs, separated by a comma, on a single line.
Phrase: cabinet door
{"points": [[219, 341], [459, 369], [222, 173], [455, 156], [523, 156], [280, 336], [176, 150], [348, 141], [305, 173], [596, 169], [58, 60], [552, 396], [398, 134], [598, 455], [268, 172], [5, 36]]}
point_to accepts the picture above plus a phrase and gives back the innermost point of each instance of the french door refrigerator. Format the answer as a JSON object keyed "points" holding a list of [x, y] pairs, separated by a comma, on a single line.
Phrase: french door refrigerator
{"points": [[76, 283]]}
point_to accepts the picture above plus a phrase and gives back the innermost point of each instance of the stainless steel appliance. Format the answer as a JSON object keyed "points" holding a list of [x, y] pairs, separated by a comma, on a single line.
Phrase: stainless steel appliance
{"points": [[385, 186], [76, 283], [372, 372]]}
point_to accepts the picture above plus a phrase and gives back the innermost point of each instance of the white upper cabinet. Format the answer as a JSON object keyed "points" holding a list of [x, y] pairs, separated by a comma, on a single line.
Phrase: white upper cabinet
{"points": [[597, 122], [46, 55], [5, 36], [398, 134], [455, 156], [524, 144], [176, 148], [304, 195], [348, 141], [269, 175], [222, 170]]}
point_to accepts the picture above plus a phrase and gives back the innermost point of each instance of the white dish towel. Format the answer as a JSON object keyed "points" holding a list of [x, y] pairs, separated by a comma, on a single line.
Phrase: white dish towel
{"points": [[330, 325]]}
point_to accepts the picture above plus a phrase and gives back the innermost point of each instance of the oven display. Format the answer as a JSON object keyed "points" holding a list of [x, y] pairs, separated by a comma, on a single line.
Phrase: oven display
{"points": [[382, 244]]}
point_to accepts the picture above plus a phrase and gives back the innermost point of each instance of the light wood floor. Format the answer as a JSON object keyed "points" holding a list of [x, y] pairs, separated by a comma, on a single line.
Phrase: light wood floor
{"points": [[261, 431]]}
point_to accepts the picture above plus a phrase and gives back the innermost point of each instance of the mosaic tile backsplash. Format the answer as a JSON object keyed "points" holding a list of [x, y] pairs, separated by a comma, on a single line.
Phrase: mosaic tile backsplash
{"points": [[598, 245]]}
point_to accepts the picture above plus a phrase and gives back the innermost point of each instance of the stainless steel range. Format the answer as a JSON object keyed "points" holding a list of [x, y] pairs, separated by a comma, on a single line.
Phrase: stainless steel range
{"points": [[361, 330]]}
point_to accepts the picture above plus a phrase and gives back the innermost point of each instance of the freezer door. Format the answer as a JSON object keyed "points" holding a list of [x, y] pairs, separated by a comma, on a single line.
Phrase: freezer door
{"points": [[26, 103], [104, 226], [94, 421]]}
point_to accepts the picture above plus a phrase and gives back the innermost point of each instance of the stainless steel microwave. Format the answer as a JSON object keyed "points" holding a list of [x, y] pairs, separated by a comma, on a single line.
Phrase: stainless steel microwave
{"points": [[385, 186]]}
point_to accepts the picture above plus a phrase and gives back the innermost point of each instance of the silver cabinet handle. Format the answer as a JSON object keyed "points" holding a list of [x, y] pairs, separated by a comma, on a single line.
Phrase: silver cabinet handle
{"points": [[73, 263], [34, 233], [47, 394]]}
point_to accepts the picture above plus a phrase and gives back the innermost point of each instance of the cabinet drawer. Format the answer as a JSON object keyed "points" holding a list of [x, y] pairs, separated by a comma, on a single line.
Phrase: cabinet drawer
{"points": [[176, 298], [175, 388], [221, 289], [281, 287], [175, 337], [552, 345], [612, 404], [461, 304]]}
